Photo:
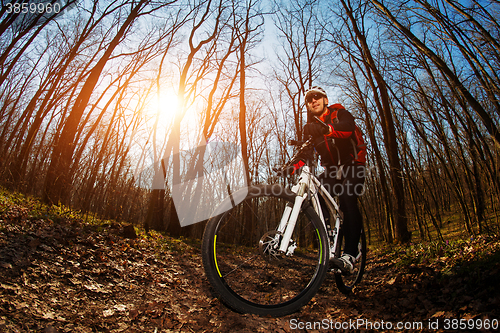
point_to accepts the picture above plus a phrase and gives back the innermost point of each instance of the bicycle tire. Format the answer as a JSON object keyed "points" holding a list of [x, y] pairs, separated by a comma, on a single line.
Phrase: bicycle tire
{"points": [[347, 283], [250, 279]]}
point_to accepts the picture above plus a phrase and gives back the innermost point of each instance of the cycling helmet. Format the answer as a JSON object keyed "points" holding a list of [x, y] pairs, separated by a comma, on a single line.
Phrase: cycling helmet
{"points": [[315, 90]]}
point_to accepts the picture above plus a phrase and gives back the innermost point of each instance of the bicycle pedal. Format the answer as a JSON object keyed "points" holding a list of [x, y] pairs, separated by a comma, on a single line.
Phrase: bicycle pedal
{"points": [[335, 270]]}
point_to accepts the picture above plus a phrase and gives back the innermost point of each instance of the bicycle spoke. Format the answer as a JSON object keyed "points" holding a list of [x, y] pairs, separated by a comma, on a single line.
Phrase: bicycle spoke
{"points": [[272, 282]]}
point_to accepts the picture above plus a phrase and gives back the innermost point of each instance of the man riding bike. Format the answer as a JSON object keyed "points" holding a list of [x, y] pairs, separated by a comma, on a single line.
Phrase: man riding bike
{"points": [[344, 173]]}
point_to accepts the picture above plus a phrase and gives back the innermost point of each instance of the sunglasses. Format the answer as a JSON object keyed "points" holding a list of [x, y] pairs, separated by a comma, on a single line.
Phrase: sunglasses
{"points": [[314, 96]]}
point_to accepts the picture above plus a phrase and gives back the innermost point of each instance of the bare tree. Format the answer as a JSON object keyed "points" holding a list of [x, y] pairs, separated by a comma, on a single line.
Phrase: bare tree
{"points": [[303, 47], [209, 19], [445, 69], [58, 178]]}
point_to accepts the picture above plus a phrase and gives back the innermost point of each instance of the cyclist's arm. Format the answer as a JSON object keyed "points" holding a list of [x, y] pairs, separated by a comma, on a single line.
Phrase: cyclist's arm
{"points": [[345, 126]]}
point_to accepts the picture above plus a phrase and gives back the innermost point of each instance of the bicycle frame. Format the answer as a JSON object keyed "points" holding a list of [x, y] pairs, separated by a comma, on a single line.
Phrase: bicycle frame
{"points": [[308, 184]]}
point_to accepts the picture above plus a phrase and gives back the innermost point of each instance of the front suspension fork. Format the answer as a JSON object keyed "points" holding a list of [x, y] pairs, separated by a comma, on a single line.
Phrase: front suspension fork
{"points": [[287, 224]]}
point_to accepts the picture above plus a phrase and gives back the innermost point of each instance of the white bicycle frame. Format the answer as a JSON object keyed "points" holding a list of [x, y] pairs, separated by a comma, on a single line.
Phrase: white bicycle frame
{"points": [[308, 184]]}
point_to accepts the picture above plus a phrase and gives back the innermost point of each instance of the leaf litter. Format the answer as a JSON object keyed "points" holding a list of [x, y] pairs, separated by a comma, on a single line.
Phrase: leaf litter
{"points": [[72, 276]]}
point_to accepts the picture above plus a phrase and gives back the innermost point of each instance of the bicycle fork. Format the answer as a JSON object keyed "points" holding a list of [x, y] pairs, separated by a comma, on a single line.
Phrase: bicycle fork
{"points": [[289, 218], [291, 213]]}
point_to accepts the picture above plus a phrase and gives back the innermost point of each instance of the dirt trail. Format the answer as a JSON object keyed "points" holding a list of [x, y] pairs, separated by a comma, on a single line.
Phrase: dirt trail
{"points": [[67, 277]]}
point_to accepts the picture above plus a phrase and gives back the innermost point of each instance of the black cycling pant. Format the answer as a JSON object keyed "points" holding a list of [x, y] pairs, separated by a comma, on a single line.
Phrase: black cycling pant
{"points": [[348, 186]]}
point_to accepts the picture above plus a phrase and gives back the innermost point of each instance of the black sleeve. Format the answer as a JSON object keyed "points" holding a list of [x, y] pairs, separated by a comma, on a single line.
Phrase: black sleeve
{"points": [[344, 127]]}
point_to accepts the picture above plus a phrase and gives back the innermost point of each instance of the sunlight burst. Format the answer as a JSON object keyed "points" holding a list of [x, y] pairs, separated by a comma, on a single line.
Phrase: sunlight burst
{"points": [[165, 106]]}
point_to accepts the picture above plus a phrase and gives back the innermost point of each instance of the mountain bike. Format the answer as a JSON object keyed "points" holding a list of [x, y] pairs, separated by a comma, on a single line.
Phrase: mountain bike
{"points": [[269, 253]]}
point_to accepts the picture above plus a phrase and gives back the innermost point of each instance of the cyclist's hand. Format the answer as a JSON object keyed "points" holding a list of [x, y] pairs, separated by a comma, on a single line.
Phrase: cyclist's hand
{"points": [[308, 154], [315, 129]]}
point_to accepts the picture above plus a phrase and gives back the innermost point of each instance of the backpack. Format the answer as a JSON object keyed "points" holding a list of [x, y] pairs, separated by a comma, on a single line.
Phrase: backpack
{"points": [[358, 142]]}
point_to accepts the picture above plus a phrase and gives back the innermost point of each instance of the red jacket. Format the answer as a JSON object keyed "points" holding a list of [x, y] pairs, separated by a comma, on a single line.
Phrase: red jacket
{"points": [[336, 148]]}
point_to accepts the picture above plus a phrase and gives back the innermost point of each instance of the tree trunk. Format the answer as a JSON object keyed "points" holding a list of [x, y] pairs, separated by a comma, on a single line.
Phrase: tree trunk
{"points": [[382, 99], [443, 67], [58, 181]]}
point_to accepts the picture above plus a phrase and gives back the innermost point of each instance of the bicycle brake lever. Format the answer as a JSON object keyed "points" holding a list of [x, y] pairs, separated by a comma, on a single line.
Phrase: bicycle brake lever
{"points": [[322, 123]]}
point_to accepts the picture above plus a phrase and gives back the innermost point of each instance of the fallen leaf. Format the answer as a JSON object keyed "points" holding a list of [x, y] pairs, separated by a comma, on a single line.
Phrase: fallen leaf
{"points": [[108, 313]]}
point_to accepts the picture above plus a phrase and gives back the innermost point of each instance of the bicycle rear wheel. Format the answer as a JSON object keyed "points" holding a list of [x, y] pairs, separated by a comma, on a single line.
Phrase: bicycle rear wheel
{"points": [[245, 270], [346, 283]]}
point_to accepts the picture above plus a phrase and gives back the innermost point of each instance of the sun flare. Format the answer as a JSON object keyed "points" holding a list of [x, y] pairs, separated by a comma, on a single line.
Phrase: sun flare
{"points": [[165, 106]]}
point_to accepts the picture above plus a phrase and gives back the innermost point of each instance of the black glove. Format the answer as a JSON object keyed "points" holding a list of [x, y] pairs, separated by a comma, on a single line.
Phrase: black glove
{"points": [[315, 130]]}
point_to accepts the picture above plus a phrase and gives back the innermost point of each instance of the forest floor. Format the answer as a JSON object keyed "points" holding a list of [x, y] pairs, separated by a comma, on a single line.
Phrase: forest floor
{"points": [[59, 273]]}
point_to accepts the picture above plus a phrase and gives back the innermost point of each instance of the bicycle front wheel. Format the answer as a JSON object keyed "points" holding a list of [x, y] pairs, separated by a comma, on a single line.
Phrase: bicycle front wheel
{"points": [[242, 262]]}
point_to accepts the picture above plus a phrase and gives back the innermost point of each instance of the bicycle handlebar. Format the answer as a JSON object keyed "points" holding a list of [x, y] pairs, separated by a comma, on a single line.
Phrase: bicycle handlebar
{"points": [[302, 145]]}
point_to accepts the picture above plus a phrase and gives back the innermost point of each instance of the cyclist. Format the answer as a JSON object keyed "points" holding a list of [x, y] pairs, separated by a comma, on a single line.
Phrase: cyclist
{"points": [[343, 176]]}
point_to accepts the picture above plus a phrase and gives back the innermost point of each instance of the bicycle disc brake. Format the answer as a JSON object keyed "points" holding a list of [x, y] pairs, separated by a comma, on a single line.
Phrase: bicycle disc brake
{"points": [[269, 247]]}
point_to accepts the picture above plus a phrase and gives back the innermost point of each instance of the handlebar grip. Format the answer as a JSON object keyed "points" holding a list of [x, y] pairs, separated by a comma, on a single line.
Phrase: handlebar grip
{"points": [[295, 143]]}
